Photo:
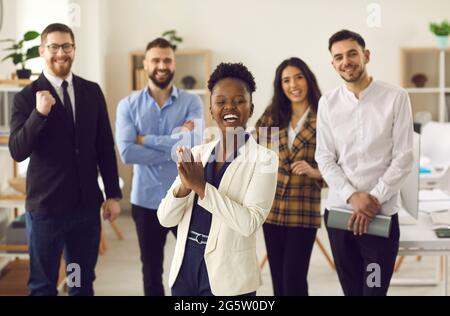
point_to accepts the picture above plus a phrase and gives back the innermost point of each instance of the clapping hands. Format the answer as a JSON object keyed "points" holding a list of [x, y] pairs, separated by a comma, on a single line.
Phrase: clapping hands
{"points": [[191, 173]]}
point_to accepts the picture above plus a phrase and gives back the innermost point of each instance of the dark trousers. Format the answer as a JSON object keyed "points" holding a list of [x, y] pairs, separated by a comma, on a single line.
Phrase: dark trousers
{"points": [[152, 237], [355, 256], [78, 235], [289, 252], [192, 279]]}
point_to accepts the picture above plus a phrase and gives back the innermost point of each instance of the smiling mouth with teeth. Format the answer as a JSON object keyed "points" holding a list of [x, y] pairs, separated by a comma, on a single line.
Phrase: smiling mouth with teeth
{"points": [[230, 118], [350, 68]]}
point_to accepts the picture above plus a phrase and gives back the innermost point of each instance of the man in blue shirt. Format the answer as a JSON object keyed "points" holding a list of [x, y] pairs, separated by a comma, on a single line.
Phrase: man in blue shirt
{"points": [[149, 127]]}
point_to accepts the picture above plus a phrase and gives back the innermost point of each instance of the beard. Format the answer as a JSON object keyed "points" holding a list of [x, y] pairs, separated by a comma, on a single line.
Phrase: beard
{"points": [[164, 83], [61, 70], [356, 76]]}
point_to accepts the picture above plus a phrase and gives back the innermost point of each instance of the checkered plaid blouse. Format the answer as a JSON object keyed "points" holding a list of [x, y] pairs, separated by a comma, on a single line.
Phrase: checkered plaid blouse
{"points": [[297, 199]]}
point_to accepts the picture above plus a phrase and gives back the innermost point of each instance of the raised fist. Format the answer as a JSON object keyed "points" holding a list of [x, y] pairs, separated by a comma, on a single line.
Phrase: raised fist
{"points": [[44, 102]]}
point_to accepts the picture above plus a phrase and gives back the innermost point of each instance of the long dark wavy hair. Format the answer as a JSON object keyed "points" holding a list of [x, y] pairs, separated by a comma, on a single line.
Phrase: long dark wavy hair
{"points": [[280, 109]]}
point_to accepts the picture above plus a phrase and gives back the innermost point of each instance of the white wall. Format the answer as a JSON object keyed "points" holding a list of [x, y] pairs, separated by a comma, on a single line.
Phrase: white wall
{"points": [[8, 31], [90, 39], [261, 33], [83, 16], [36, 15]]}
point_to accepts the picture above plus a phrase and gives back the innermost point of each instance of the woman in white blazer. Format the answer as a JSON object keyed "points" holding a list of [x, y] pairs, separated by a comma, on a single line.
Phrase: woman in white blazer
{"points": [[222, 198]]}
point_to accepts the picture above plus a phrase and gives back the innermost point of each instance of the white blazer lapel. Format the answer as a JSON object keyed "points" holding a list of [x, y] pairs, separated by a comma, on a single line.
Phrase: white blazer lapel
{"points": [[245, 152], [207, 151]]}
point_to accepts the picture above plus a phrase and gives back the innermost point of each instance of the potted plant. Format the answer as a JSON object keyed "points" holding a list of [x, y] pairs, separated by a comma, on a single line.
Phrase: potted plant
{"points": [[172, 37], [442, 31], [20, 54]]}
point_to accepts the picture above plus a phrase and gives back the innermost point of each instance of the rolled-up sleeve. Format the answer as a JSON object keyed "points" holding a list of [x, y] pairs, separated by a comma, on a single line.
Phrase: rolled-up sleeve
{"points": [[126, 133], [166, 143]]}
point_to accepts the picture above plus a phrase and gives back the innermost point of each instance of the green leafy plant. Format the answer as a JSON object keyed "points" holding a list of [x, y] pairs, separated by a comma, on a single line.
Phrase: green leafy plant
{"points": [[440, 29], [172, 37], [20, 54]]}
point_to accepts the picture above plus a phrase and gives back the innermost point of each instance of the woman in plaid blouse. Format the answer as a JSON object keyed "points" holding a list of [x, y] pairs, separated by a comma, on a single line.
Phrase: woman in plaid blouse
{"points": [[290, 129]]}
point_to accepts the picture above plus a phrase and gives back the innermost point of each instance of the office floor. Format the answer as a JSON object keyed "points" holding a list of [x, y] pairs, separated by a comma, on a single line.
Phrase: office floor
{"points": [[119, 269]]}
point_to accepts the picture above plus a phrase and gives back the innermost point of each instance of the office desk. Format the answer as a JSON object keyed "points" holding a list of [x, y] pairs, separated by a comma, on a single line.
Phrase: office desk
{"points": [[420, 240], [435, 179]]}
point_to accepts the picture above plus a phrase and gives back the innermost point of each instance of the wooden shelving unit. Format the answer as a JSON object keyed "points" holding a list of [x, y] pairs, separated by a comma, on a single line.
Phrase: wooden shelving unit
{"points": [[3, 140], [15, 82], [434, 63], [8, 88]]}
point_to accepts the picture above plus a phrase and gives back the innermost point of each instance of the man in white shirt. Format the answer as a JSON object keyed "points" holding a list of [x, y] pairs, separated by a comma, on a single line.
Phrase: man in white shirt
{"points": [[364, 152]]}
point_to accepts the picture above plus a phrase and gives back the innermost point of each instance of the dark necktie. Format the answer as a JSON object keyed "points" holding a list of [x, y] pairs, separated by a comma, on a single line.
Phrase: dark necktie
{"points": [[68, 103]]}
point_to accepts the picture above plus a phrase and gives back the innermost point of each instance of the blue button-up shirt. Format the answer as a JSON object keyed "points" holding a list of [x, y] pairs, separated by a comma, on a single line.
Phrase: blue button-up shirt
{"points": [[154, 163]]}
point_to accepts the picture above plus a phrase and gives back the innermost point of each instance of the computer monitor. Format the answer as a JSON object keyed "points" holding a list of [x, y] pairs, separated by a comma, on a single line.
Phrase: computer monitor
{"points": [[409, 193]]}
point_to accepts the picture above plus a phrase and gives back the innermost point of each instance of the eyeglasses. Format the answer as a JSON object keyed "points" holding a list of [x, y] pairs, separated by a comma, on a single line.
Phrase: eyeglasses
{"points": [[66, 47]]}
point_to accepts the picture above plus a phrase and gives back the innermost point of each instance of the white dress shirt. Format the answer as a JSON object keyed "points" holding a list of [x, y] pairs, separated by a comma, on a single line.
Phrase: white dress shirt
{"points": [[56, 82], [292, 132], [365, 145]]}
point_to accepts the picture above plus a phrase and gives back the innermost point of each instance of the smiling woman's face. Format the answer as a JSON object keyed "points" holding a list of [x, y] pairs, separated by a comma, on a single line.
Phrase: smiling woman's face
{"points": [[231, 104]]}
